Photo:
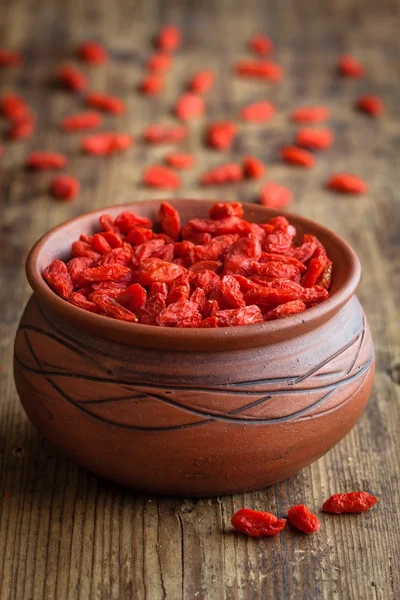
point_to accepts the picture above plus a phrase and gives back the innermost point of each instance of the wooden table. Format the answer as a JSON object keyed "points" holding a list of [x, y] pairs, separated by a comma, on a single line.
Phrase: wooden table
{"points": [[63, 532]]}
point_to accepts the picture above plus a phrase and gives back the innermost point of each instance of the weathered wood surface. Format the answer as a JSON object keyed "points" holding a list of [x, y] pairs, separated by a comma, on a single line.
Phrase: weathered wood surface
{"points": [[65, 534]]}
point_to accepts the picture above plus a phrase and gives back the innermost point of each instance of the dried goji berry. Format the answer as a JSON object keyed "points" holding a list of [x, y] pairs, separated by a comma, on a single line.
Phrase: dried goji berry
{"points": [[169, 38], [253, 167], [64, 187], [310, 114], [189, 106], [222, 210], [180, 160], [315, 139], [152, 85], [82, 121], [236, 317], [128, 220], [133, 297], [202, 82], [79, 300], [106, 272], [260, 69], [161, 177], [183, 311], [58, 278], [350, 67], [275, 195], [46, 160], [258, 112], [165, 134], [14, 107], [286, 310], [371, 105], [231, 292], [261, 44], [106, 102], [349, 502], [159, 62], [256, 523], [72, 78], [92, 52], [10, 58], [302, 518], [21, 129], [347, 184], [314, 271], [112, 308], [169, 220], [227, 173], [105, 143], [155, 269], [297, 156], [220, 135]]}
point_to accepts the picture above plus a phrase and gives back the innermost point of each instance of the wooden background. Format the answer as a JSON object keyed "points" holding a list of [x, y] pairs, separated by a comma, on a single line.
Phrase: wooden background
{"points": [[63, 532]]}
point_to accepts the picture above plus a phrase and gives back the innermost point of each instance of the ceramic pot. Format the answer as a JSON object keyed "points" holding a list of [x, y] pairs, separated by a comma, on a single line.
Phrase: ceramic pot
{"points": [[193, 412]]}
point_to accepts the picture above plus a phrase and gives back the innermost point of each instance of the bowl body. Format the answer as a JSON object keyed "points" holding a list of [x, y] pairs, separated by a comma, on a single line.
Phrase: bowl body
{"points": [[193, 412]]}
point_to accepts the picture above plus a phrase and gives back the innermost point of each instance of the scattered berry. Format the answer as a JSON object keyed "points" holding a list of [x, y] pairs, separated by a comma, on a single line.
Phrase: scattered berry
{"points": [[261, 44], [259, 112], [165, 134], [227, 173], [152, 85], [350, 67], [220, 135], [180, 160], [253, 167], [371, 105], [297, 156], [310, 114], [106, 103], [159, 62], [347, 184], [42, 160], [275, 195], [72, 78], [93, 53], [169, 39], [10, 58], [189, 106], [82, 121], [64, 187], [104, 143], [202, 82], [261, 69], [315, 139], [161, 177]]}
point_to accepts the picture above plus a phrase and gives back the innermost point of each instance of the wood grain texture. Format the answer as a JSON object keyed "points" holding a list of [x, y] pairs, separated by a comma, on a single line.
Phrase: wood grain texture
{"points": [[65, 534]]}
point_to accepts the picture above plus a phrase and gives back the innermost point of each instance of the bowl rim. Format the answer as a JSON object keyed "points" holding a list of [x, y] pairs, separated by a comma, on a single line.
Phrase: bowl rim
{"points": [[196, 339]]}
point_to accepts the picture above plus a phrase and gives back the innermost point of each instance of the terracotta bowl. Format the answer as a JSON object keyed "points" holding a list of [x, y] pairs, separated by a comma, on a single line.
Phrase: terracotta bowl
{"points": [[193, 412]]}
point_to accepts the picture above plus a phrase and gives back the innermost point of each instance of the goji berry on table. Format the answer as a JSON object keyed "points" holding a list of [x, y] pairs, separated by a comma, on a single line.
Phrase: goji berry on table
{"points": [[169, 38], [21, 129], [310, 114], [161, 177], [82, 121], [106, 103], [92, 52], [64, 187], [347, 184], [189, 106], [275, 195], [220, 135], [227, 173], [315, 139], [253, 167], [349, 66], [201, 82], [14, 107], [297, 156], [256, 523], [152, 85], [72, 78], [261, 44], [303, 519], [258, 112], [180, 160], [370, 104], [46, 160], [165, 134], [260, 69], [104, 143], [349, 502], [10, 58], [159, 62]]}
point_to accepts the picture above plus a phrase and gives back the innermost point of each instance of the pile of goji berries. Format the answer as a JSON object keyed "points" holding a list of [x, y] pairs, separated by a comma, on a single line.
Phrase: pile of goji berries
{"points": [[191, 104], [217, 272], [258, 524]]}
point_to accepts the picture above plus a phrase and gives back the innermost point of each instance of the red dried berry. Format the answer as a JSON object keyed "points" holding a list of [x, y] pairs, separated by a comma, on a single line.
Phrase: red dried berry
{"points": [[286, 310], [258, 112], [57, 276], [297, 156], [253, 167], [275, 195], [21, 129], [261, 44], [169, 39], [79, 300], [152, 85], [260, 69], [371, 105], [165, 134], [14, 107], [93, 53], [349, 502], [133, 297], [222, 210], [315, 139], [189, 106], [112, 308], [350, 67], [72, 78], [102, 144], [303, 519], [169, 220], [310, 114], [256, 523], [161, 177], [106, 103], [10, 58], [82, 121], [64, 187], [180, 160], [347, 184], [159, 62], [220, 135], [202, 82], [227, 173], [46, 160]]}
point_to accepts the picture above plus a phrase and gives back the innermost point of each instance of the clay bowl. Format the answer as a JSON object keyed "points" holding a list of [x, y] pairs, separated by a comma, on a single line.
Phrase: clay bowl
{"points": [[193, 412]]}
